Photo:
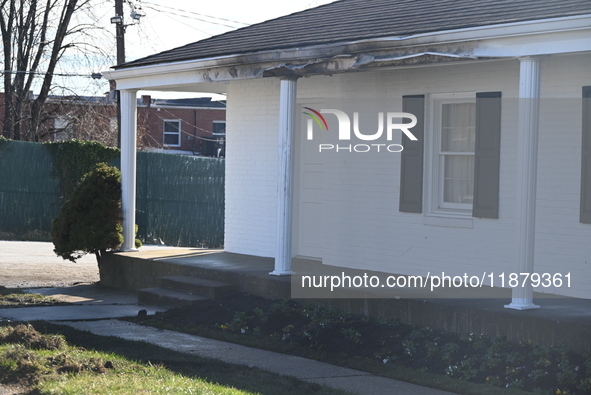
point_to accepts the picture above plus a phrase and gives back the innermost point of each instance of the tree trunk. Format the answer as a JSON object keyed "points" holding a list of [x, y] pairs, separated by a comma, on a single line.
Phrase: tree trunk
{"points": [[99, 255]]}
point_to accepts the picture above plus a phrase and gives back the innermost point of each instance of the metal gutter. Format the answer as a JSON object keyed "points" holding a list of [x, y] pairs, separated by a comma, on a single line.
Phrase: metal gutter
{"points": [[366, 59], [351, 48]]}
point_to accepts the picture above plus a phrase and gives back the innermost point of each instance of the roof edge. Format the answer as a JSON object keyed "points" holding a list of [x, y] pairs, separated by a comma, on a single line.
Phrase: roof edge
{"points": [[505, 30]]}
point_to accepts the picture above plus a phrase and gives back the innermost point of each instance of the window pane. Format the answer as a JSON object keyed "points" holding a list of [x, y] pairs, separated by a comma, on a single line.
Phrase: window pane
{"points": [[171, 127], [61, 123], [219, 127], [458, 123], [172, 132], [171, 139], [458, 178]]}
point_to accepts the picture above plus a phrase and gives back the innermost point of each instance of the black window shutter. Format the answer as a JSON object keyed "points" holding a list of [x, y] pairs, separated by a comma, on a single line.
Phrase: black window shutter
{"points": [[585, 210], [487, 155], [411, 162]]}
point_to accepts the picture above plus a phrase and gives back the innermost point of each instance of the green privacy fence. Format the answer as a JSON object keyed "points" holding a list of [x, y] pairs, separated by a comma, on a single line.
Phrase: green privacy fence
{"points": [[29, 191], [180, 199]]}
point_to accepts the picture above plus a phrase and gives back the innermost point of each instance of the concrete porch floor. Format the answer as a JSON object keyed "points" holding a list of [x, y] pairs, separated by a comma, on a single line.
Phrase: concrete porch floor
{"points": [[559, 321]]}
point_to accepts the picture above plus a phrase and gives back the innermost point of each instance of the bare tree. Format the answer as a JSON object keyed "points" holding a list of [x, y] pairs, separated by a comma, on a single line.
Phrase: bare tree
{"points": [[35, 36], [81, 118], [90, 118]]}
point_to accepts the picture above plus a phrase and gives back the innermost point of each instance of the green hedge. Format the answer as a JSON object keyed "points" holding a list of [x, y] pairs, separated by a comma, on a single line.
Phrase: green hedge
{"points": [[74, 158]]}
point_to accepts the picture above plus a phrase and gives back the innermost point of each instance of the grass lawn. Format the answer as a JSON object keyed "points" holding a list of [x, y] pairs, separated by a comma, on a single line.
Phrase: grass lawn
{"points": [[14, 297], [60, 360]]}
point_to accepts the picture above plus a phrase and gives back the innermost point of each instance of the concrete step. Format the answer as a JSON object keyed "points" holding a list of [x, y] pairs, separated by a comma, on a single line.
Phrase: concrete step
{"points": [[197, 286], [167, 297]]}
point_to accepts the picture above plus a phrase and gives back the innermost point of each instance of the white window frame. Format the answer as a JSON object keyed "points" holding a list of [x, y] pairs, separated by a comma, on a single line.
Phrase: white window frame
{"points": [[164, 121], [63, 127], [435, 190], [219, 134]]}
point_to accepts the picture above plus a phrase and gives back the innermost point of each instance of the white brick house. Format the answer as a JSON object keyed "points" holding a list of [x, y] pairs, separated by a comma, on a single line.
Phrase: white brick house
{"points": [[499, 180]]}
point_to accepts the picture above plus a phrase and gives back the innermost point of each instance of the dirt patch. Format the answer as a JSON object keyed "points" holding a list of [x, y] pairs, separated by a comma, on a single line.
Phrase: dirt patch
{"points": [[29, 337], [215, 311]]}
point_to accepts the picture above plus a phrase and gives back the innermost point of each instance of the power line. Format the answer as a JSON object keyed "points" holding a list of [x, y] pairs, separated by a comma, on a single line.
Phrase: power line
{"points": [[188, 17], [40, 73], [190, 124], [200, 18], [181, 22], [201, 15]]}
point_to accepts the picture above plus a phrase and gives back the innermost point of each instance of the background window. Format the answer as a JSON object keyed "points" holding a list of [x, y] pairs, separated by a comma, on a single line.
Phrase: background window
{"points": [[456, 135], [172, 133], [219, 127], [64, 129]]}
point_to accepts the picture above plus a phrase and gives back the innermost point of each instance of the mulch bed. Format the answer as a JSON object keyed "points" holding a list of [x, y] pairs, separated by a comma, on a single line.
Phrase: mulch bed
{"points": [[331, 335]]}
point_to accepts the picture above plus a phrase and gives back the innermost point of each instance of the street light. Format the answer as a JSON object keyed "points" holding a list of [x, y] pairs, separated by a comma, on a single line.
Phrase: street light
{"points": [[136, 15]]}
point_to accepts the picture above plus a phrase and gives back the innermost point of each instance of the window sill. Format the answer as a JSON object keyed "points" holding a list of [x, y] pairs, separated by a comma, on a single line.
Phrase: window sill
{"points": [[449, 220]]}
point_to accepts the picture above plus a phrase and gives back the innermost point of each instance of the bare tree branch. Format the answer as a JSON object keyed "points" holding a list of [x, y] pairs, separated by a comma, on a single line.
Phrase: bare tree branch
{"points": [[36, 35]]}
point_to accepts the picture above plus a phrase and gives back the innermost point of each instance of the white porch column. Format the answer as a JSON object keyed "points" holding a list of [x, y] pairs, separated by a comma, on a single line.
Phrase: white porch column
{"points": [[287, 109], [128, 166], [527, 166]]}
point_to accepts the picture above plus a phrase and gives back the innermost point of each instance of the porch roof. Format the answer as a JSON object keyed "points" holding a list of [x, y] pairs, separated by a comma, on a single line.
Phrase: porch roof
{"points": [[351, 20]]}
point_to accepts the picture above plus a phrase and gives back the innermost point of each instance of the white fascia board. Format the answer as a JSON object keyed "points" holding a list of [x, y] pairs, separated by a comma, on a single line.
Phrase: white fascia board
{"points": [[190, 72], [545, 44], [170, 81]]}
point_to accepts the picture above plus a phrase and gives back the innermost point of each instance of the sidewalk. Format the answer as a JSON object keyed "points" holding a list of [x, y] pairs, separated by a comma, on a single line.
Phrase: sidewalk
{"points": [[89, 302], [101, 305], [351, 380]]}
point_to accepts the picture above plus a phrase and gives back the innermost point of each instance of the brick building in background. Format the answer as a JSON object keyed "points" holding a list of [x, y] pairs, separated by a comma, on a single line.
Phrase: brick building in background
{"points": [[194, 126]]}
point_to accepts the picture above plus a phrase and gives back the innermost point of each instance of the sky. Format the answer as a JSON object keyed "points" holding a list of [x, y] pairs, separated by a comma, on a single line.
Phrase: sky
{"points": [[172, 23], [168, 24]]}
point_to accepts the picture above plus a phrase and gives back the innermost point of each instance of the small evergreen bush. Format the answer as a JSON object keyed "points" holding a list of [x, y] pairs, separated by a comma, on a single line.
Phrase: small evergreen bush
{"points": [[90, 221]]}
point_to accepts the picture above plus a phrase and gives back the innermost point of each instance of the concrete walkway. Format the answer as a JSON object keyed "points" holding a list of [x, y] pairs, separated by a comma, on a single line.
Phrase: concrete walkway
{"points": [[95, 309], [101, 305], [89, 302], [351, 380]]}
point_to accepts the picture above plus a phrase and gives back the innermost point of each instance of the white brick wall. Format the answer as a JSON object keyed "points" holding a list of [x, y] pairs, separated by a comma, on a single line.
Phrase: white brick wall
{"points": [[562, 243], [251, 186], [361, 225]]}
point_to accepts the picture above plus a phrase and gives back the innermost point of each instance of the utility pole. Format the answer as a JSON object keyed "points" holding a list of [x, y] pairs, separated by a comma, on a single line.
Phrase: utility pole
{"points": [[136, 14], [120, 31], [120, 36]]}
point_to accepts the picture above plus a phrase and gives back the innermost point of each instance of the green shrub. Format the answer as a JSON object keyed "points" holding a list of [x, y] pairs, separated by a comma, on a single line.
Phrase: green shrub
{"points": [[90, 221], [73, 159]]}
